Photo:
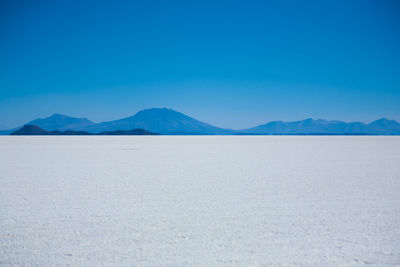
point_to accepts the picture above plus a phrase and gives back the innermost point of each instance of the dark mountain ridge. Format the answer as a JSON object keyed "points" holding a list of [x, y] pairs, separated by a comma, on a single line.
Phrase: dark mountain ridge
{"points": [[35, 130]]}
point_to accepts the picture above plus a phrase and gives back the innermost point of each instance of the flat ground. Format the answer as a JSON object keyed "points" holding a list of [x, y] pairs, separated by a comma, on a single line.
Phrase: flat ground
{"points": [[200, 200]]}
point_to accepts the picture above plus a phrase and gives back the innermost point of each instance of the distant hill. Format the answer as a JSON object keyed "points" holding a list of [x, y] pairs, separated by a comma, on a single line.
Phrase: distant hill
{"points": [[55, 122], [30, 130], [35, 130], [61, 122], [159, 120], [385, 126], [310, 126]]}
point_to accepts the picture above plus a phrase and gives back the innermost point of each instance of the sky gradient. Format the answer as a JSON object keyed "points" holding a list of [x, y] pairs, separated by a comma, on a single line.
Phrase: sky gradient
{"points": [[234, 64]]}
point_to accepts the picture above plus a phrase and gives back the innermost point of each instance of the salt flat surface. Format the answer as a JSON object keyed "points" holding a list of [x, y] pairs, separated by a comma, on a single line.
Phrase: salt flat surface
{"points": [[200, 201]]}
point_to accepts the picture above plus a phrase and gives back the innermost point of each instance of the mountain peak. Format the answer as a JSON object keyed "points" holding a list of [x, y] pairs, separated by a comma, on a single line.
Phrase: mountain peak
{"points": [[157, 111], [385, 123], [159, 120], [60, 122], [58, 115], [383, 120], [308, 120], [160, 114]]}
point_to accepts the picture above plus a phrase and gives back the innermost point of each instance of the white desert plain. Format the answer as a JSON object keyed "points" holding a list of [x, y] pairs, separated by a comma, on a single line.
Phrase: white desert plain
{"points": [[199, 200]]}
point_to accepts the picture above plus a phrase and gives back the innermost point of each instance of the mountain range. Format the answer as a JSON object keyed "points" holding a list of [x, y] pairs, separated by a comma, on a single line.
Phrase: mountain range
{"points": [[171, 122], [309, 126]]}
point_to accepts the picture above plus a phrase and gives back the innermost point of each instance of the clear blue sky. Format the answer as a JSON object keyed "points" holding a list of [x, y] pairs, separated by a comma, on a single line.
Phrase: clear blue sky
{"points": [[231, 63]]}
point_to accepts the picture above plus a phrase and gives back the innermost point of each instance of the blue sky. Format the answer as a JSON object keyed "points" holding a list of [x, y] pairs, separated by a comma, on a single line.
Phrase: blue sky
{"points": [[230, 63]]}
